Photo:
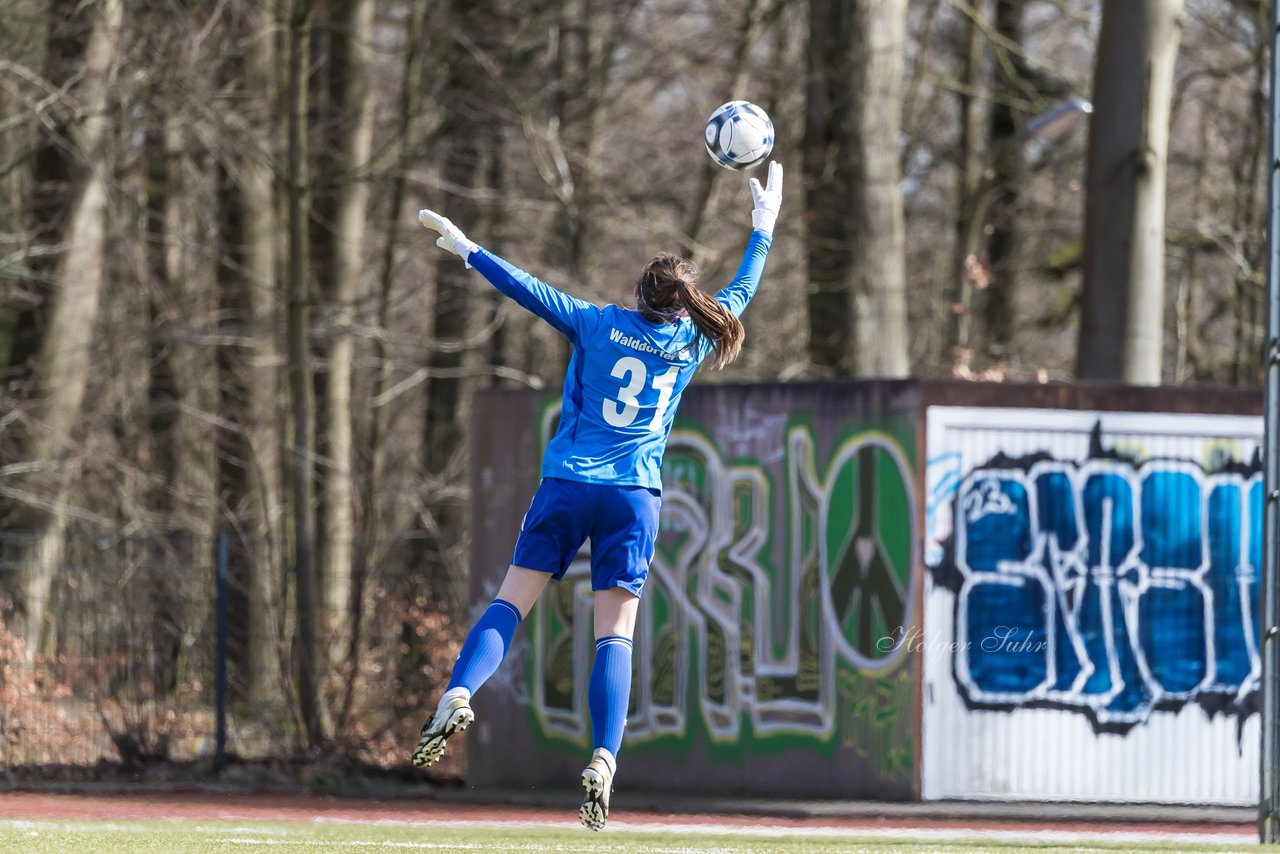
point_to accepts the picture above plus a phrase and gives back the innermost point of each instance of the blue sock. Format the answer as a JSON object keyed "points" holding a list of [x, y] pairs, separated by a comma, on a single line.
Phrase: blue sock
{"points": [[485, 646], [610, 691]]}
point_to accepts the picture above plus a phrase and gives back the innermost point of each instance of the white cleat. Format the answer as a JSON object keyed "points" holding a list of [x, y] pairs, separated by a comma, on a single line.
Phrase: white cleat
{"points": [[454, 715], [597, 780]]}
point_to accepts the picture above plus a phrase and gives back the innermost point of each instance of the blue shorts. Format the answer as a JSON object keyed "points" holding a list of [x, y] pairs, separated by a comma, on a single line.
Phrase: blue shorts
{"points": [[621, 522]]}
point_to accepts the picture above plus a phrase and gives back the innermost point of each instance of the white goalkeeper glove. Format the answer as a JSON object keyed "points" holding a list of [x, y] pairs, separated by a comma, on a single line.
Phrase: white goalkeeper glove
{"points": [[451, 237], [768, 200]]}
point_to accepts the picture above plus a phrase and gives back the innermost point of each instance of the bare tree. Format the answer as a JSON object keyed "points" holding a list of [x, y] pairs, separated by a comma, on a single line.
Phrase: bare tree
{"points": [[178, 435], [376, 531], [1011, 90], [879, 276], [706, 199], [857, 303], [72, 176], [252, 389], [302, 422], [470, 141], [828, 179], [972, 189], [350, 58], [22, 44], [1122, 312], [583, 43]]}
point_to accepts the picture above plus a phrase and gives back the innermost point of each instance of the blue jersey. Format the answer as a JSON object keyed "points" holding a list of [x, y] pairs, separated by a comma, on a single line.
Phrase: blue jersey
{"points": [[626, 375]]}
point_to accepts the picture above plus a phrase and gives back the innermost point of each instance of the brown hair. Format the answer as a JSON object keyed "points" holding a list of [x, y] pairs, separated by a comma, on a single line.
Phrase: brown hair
{"points": [[668, 285]]}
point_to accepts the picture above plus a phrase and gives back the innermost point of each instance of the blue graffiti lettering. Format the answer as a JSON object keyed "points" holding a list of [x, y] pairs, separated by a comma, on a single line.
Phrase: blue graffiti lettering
{"points": [[1107, 588]]}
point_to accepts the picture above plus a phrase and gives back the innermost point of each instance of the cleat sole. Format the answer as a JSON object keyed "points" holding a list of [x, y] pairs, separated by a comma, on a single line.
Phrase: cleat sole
{"points": [[430, 749], [594, 812]]}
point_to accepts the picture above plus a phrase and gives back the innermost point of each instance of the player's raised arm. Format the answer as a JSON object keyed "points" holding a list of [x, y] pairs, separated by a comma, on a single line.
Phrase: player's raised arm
{"points": [[768, 200], [571, 316]]}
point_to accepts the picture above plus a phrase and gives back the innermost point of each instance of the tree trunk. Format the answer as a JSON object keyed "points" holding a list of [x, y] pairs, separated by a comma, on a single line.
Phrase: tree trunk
{"points": [[355, 37], [253, 285], [183, 387], [827, 176], [1245, 366], [1008, 168], [707, 198], [856, 231], [969, 193], [406, 140], [469, 141], [177, 435], [302, 470], [879, 283], [1122, 310], [184, 384], [22, 40], [65, 351], [574, 175]]}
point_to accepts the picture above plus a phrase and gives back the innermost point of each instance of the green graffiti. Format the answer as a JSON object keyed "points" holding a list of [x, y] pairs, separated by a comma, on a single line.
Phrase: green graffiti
{"points": [[869, 543], [874, 721], [772, 588]]}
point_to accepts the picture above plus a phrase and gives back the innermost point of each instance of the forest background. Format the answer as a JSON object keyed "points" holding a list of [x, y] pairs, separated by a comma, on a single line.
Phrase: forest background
{"points": [[218, 313]]}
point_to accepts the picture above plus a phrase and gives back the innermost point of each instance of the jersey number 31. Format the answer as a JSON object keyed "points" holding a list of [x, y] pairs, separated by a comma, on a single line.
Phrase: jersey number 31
{"points": [[634, 375]]}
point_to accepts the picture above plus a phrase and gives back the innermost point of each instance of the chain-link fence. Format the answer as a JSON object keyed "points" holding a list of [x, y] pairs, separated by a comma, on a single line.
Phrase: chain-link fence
{"points": [[187, 650]]}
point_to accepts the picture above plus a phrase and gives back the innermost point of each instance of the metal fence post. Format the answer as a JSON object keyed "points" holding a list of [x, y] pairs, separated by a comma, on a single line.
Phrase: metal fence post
{"points": [[1269, 788], [220, 677]]}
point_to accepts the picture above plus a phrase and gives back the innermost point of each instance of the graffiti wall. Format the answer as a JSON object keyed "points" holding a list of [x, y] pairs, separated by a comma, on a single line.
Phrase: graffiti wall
{"points": [[788, 553], [1091, 606]]}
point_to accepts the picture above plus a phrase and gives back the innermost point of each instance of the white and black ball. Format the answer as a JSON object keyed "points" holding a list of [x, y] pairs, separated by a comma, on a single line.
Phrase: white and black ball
{"points": [[739, 135]]}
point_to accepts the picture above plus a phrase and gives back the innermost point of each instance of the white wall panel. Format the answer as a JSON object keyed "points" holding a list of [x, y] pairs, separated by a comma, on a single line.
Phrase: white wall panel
{"points": [[1090, 607]]}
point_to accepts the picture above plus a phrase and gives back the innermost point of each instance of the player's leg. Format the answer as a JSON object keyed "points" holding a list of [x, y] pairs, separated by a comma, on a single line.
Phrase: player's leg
{"points": [[490, 638], [608, 696], [483, 650], [549, 538], [622, 543]]}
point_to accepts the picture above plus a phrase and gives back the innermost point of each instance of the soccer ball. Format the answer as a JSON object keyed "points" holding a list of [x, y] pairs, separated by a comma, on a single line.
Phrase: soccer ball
{"points": [[739, 135]]}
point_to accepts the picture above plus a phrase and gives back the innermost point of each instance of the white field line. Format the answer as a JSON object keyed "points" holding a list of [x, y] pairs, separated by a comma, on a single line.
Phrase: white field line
{"points": [[932, 834], [280, 836], [492, 846], [270, 834]]}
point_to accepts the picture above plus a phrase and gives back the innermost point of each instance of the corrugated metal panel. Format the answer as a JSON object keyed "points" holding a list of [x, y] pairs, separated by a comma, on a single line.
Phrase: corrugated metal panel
{"points": [[1090, 610]]}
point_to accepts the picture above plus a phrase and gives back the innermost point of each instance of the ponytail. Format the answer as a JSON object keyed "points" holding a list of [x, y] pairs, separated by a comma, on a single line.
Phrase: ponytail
{"points": [[715, 323], [668, 285]]}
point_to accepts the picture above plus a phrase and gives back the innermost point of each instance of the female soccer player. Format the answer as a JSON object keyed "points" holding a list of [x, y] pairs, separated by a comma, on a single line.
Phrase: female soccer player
{"points": [[601, 472]]}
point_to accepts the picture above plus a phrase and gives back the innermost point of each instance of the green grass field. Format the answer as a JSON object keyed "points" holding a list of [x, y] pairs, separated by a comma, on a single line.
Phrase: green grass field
{"points": [[206, 837]]}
